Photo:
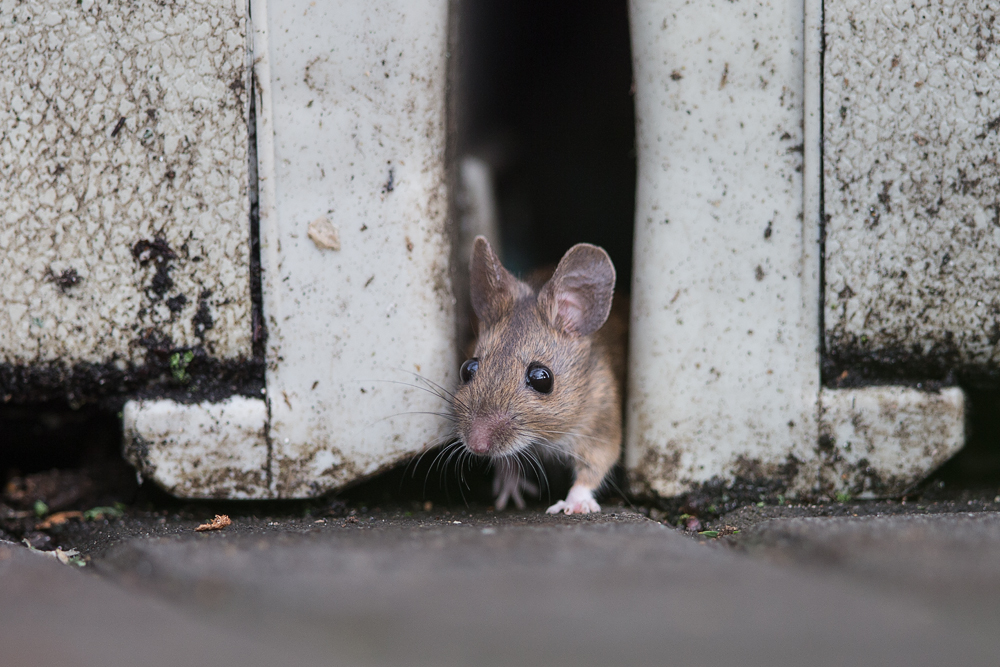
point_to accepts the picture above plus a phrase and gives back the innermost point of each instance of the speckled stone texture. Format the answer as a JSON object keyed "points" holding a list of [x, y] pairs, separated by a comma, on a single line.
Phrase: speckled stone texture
{"points": [[123, 179], [911, 121]]}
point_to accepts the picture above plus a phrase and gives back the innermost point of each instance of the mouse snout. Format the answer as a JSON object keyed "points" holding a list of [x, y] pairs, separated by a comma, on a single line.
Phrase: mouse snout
{"points": [[486, 432]]}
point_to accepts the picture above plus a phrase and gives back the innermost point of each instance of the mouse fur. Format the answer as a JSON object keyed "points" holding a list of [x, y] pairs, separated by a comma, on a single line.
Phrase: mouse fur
{"points": [[497, 411]]}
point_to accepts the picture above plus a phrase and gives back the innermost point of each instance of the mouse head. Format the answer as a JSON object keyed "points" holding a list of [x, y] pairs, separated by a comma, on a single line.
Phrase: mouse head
{"points": [[529, 380]]}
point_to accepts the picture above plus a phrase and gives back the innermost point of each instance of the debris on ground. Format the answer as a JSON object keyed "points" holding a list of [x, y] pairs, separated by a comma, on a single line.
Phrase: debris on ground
{"points": [[218, 523], [722, 531], [55, 489], [97, 513], [69, 557]]}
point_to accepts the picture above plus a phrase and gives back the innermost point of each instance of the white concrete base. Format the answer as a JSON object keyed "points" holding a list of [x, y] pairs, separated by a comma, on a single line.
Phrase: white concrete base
{"points": [[880, 441], [205, 450], [874, 442]]}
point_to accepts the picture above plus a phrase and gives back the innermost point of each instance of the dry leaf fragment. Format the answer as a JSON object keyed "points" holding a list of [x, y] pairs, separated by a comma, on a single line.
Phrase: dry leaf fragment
{"points": [[58, 519], [218, 523]]}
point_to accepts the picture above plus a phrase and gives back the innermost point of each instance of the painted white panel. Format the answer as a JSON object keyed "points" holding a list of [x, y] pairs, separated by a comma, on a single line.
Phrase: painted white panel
{"points": [[203, 450], [351, 128], [723, 369], [123, 124]]}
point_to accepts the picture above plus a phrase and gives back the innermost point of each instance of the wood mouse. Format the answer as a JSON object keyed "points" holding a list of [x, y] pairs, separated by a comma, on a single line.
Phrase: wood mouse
{"points": [[542, 380]]}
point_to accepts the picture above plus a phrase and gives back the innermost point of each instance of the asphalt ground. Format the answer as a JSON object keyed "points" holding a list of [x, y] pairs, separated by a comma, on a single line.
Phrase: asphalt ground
{"points": [[409, 585]]}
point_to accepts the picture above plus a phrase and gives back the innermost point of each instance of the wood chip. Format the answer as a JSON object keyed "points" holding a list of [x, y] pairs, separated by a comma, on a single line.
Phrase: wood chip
{"points": [[218, 523], [58, 519]]}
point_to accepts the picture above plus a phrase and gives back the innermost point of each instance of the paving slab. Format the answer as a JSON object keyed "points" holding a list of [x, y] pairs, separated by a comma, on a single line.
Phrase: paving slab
{"points": [[951, 560], [54, 614], [445, 586], [494, 589]]}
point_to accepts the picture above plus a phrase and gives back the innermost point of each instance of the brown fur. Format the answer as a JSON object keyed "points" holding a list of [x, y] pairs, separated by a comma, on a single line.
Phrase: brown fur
{"points": [[559, 325]]}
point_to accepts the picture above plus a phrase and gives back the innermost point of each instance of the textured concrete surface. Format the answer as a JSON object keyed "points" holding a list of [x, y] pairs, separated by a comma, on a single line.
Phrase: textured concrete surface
{"points": [[911, 136], [516, 589], [351, 120], [201, 450], [123, 179], [724, 367], [879, 442]]}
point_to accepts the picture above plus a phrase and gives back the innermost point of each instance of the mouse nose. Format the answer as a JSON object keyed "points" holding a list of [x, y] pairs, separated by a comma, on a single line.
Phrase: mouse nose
{"points": [[485, 432]]}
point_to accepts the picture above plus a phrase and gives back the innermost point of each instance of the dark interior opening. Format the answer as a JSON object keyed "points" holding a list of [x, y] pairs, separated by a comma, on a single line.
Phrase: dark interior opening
{"points": [[975, 469], [544, 97]]}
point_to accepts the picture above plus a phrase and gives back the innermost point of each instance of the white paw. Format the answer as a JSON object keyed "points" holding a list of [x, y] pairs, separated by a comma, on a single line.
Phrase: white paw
{"points": [[509, 485], [579, 501]]}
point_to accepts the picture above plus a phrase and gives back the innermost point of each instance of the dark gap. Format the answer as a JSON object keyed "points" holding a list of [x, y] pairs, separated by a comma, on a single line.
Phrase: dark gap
{"points": [[259, 331], [975, 469], [544, 98], [822, 194], [64, 458]]}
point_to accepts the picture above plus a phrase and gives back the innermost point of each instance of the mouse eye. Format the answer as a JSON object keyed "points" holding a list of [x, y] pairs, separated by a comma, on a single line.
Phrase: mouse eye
{"points": [[469, 369], [539, 378]]}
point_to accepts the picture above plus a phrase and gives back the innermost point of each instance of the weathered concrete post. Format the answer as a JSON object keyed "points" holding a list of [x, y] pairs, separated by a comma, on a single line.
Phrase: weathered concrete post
{"points": [[726, 329], [354, 254]]}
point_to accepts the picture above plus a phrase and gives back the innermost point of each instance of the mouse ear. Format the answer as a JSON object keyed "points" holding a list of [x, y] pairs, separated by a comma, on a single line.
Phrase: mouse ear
{"points": [[490, 285], [578, 297]]}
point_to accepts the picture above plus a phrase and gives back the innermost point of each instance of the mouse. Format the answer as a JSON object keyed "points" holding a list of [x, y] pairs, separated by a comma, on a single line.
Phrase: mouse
{"points": [[541, 382]]}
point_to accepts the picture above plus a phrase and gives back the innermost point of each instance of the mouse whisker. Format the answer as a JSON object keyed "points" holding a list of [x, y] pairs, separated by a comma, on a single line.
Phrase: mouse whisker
{"points": [[573, 433], [608, 480], [433, 384], [443, 415], [560, 452], [443, 397], [415, 462], [545, 478], [461, 476], [435, 388], [447, 462], [434, 461], [539, 468]]}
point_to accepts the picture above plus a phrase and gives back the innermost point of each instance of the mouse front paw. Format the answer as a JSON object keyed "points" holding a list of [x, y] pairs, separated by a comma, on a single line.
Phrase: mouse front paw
{"points": [[579, 501]]}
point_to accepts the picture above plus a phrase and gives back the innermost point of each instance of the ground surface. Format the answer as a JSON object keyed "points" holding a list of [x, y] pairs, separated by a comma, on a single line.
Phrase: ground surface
{"points": [[878, 583]]}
